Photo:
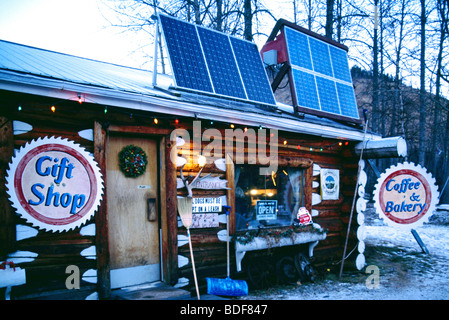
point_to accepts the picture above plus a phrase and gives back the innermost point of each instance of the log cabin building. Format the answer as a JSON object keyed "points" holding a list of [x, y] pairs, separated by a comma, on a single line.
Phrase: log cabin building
{"points": [[135, 234]]}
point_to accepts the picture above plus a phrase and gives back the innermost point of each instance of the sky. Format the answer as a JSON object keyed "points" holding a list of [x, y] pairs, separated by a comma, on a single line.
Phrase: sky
{"points": [[75, 27]]}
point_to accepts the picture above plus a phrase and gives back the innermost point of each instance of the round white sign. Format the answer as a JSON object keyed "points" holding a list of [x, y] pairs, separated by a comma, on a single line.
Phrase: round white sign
{"points": [[405, 195], [54, 184]]}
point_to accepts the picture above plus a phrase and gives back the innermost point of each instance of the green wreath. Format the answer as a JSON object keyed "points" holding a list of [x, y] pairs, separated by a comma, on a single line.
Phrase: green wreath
{"points": [[132, 161]]}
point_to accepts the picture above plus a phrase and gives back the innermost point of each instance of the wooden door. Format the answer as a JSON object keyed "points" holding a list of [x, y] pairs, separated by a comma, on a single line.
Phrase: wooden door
{"points": [[133, 216]]}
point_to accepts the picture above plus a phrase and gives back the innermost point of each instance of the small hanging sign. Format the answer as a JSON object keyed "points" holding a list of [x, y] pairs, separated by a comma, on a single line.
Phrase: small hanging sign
{"points": [[205, 183], [266, 209], [205, 220], [304, 216], [330, 184], [202, 205], [54, 184]]}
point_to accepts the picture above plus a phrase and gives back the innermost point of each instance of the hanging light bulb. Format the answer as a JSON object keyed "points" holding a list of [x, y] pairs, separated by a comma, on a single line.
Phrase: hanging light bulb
{"points": [[79, 99], [19, 108], [176, 121], [53, 108], [232, 126], [156, 121], [201, 160]]}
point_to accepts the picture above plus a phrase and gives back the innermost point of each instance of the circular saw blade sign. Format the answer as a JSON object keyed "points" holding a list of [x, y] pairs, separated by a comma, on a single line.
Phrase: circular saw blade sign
{"points": [[54, 184], [405, 195]]}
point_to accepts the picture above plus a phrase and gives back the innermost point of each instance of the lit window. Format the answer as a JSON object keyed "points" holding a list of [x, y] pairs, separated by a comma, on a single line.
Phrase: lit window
{"points": [[270, 200]]}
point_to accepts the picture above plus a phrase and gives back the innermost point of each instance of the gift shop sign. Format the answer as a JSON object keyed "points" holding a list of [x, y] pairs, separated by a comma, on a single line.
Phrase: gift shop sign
{"points": [[405, 195], [54, 184]]}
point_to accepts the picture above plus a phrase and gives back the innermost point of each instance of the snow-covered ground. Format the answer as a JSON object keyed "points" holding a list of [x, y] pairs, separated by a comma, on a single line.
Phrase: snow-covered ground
{"points": [[405, 273]]}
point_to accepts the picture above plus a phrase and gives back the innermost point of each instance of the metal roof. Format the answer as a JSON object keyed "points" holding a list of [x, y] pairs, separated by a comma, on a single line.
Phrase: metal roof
{"points": [[42, 72], [44, 63]]}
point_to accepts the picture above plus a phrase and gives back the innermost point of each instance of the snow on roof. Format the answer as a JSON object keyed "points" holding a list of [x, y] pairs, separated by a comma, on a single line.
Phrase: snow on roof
{"points": [[50, 64]]}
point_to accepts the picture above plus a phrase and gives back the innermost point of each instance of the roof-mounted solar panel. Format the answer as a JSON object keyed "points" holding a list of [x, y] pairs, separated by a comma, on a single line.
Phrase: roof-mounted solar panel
{"points": [[208, 61], [319, 72]]}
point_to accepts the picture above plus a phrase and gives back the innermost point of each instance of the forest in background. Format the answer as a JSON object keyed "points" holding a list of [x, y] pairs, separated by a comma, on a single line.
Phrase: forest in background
{"points": [[397, 50]]}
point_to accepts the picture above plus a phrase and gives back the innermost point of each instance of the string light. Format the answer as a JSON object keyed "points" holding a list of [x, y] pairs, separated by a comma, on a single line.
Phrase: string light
{"points": [[245, 129]]}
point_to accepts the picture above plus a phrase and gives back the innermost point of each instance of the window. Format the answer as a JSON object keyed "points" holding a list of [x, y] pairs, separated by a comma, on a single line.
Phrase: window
{"points": [[270, 200]]}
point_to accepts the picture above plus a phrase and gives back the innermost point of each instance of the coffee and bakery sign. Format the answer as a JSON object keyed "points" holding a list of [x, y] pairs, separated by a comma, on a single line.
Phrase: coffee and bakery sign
{"points": [[54, 184], [405, 195]]}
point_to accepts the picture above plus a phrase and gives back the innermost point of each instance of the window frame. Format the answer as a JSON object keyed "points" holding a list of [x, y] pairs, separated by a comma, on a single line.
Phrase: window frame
{"points": [[283, 162]]}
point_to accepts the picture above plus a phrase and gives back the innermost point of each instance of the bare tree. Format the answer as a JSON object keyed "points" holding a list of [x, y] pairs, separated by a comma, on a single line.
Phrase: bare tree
{"points": [[329, 18], [422, 94]]}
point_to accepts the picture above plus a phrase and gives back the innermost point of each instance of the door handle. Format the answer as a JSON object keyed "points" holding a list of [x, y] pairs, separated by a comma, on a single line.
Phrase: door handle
{"points": [[152, 209]]}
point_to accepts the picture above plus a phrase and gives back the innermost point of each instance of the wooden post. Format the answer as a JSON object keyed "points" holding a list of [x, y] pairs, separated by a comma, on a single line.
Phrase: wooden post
{"points": [[7, 224], [101, 219], [170, 221], [392, 147], [420, 242], [230, 194]]}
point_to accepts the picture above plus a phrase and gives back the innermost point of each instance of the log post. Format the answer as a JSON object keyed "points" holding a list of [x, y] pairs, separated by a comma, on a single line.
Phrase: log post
{"points": [[7, 222], [393, 147]]}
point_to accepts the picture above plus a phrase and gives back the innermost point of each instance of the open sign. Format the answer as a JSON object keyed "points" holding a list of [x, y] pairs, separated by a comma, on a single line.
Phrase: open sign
{"points": [[266, 209], [54, 184]]}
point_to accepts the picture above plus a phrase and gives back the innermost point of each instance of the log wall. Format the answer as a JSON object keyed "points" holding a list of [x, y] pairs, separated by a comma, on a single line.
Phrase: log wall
{"points": [[333, 215], [47, 255]]}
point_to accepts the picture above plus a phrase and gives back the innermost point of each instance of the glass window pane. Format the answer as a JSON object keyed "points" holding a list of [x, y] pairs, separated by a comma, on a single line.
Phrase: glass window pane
{"points": [[269, 200]]}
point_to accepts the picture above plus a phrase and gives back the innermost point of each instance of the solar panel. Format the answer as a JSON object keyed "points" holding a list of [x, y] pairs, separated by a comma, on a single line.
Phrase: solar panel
{"points": [[321, 75], [189, 66], [347, 100], [328, 95], [222, 67], [301, 56], [340, 64], [320, 57], [252, 71], [306, 89], [208, 61]]}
